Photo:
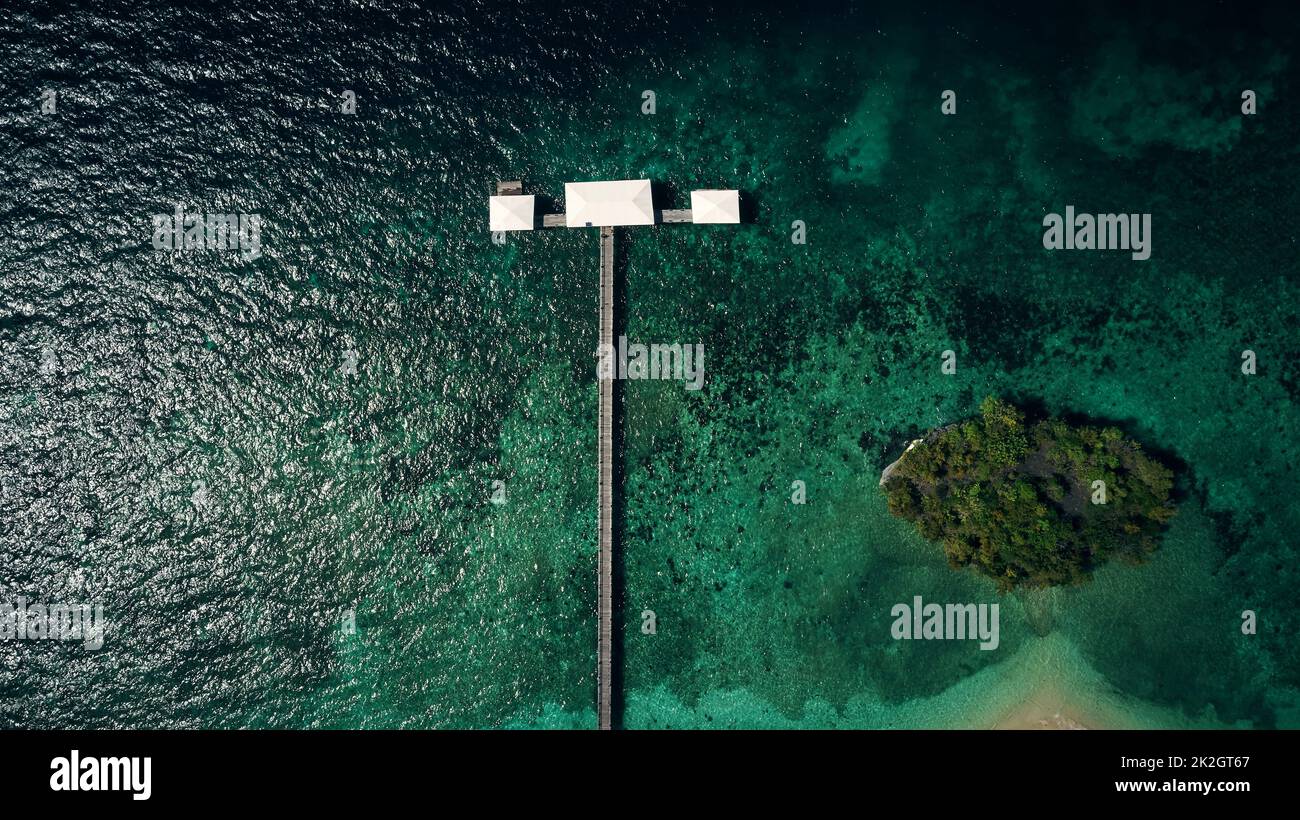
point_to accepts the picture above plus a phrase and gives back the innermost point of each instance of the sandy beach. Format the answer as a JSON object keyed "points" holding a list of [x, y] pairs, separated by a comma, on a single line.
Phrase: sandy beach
{"points": [[1049, 708]]}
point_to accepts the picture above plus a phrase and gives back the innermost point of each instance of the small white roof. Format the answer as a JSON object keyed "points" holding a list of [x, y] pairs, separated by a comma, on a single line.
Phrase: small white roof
{"points": [[615, 202], [511, 213], [715, 207]]}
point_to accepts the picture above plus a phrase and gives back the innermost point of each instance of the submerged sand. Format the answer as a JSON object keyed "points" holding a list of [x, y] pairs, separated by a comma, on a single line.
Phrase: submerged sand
{"points": [[1049, 685], [1046, 684]]}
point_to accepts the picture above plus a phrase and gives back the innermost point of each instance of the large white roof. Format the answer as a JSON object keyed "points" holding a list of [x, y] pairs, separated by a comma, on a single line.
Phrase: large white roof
{"points": [[511, 213], [615, 202], [715, 207]]}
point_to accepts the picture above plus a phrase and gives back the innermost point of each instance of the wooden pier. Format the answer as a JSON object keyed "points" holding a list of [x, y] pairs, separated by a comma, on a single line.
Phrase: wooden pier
{"points": [[605, 456], [664, 217], [509, 216]]}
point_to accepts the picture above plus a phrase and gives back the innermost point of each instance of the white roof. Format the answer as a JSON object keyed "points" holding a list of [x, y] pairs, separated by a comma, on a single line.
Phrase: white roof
{"points": [[616, 202], [511, 213], [717, 207]]}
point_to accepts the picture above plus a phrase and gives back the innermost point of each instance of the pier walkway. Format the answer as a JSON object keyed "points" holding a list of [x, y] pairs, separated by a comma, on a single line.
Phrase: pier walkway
{"points": [[605, 455]]}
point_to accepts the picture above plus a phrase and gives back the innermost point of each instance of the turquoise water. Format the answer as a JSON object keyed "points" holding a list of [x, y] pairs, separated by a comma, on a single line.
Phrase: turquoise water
{"points": [[199, 458]]}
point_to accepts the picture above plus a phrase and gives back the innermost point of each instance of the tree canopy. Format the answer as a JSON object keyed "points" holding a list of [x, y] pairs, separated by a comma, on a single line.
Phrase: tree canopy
{"points": [[1034, 505]]}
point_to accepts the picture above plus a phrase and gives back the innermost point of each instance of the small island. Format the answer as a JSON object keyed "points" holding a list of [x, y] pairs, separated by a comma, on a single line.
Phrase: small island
{"points": [[1031, 505]]}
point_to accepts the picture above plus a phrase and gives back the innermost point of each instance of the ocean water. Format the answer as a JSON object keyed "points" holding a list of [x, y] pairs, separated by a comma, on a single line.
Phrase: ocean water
{"points": [[276, 476]]}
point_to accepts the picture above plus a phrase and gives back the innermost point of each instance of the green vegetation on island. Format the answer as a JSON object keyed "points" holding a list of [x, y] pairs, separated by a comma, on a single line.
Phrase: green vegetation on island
{"points": [[1021, 502]]}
